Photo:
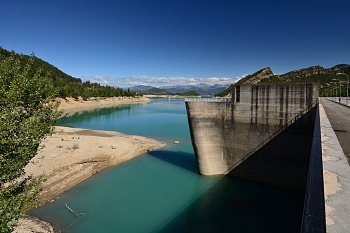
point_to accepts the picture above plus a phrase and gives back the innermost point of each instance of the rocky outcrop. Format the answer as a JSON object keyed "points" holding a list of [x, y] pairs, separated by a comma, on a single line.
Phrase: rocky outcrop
{"points": [[30, 224], [257, 76], [313, 70], [342, 68]]}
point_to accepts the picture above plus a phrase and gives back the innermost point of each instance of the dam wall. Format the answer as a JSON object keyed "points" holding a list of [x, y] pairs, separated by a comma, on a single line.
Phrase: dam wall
{"points": [[284, 160], [225, 134], [271, 104]]}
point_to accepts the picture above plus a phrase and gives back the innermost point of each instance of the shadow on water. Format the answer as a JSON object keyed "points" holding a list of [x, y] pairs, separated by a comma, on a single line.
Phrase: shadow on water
{"points": [[181, 159], [232, 205]]}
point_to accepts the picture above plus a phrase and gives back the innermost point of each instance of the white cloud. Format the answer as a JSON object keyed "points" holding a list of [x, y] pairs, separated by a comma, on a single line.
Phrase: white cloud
{"points": [[159, 81]]}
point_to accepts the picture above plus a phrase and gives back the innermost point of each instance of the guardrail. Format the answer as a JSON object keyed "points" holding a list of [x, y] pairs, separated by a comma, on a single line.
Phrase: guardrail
{"points": [[216, 100]]}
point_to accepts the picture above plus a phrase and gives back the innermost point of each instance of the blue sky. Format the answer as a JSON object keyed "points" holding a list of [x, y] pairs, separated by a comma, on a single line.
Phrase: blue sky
{"points": [[130, 42]]}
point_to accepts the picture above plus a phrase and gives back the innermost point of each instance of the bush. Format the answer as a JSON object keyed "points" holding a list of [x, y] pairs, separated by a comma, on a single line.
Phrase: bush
{"points": [[27, 114]]}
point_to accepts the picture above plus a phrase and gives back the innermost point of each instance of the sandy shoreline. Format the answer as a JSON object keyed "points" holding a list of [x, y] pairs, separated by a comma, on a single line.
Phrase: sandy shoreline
{"points": [[70, 106], [72, 155]]}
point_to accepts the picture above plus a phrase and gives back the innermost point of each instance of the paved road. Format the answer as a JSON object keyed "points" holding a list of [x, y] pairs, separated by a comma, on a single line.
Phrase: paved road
{"points": [[339, 117], [336, 169]]}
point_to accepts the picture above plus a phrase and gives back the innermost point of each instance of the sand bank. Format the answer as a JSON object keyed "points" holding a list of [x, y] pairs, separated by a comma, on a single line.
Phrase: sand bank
{"points": [[71, 155]]}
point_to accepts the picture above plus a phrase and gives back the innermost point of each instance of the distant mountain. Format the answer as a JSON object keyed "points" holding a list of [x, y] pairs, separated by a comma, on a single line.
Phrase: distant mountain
{"points": [[148, 90], [202, 89], [141, 88], [155, 91]]}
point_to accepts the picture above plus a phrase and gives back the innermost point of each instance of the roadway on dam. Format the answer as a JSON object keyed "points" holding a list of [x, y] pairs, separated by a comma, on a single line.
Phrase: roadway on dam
{"points": [[335, 128], [339, 117]]}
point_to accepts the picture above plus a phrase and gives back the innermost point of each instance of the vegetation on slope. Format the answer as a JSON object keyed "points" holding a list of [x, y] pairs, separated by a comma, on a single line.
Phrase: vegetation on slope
{"points": [[253, 78], [272, 79], [224, 93], [66, 85], [27, 113]]}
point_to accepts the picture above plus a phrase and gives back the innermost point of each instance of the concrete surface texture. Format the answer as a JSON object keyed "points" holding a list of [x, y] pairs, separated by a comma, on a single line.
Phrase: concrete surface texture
{"points": [[271, 104], [225, 134], [284, 160], [336, 170]]}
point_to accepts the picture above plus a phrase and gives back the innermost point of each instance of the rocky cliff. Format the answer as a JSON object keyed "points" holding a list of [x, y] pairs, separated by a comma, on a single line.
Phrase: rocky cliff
{"points": [[315, 70], [257, 76]]}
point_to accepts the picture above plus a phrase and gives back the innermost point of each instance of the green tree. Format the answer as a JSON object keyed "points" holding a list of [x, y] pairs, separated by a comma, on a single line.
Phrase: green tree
{"points": [[27, 113]]}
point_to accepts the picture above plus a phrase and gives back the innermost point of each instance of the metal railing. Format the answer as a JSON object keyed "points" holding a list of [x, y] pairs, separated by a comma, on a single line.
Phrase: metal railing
{"points": [[217, 100], [285, 126]]}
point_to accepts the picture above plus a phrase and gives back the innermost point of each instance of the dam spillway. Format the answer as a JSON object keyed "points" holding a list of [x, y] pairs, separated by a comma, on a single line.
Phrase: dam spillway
{"points": [[262, 133]]}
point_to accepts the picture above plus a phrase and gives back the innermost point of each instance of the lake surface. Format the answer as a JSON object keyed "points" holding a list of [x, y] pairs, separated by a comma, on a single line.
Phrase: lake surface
{"points": [[161, 191]]}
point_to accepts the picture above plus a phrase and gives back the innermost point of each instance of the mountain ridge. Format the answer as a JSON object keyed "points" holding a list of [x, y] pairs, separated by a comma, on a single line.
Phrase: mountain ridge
{"points": [[324, 76], [203, 89]]}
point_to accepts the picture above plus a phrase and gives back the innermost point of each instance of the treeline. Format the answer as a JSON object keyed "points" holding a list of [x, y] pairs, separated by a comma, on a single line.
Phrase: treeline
{"points": [[68, 86], [88, 89]]}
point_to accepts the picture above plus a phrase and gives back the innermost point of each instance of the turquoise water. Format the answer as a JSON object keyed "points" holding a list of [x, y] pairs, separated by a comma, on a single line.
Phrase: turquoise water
{"points": [[161, 191]]}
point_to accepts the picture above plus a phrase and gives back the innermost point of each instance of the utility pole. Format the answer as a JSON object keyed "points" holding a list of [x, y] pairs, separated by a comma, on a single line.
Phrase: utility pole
{"points": [[347, 87], [339, 88]]}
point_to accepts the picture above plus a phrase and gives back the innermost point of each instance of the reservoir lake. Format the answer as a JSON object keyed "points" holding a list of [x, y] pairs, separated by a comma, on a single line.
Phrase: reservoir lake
{"points": [[161, 191]]}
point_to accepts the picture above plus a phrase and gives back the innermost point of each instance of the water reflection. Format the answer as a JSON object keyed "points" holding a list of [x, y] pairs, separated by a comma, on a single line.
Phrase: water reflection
{"points": [[87, 116]]}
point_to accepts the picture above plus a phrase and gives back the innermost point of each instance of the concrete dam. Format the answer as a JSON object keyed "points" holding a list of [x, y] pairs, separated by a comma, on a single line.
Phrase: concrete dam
{"points": [[264, 133]]}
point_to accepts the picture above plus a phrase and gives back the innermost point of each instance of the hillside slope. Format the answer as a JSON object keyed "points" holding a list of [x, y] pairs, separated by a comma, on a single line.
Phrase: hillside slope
{"points": [[328, 78], [66, 85]]}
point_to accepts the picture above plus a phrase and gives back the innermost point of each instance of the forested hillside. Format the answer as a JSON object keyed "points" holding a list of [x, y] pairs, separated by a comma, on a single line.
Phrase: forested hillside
{"points": [[66, 85]]}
